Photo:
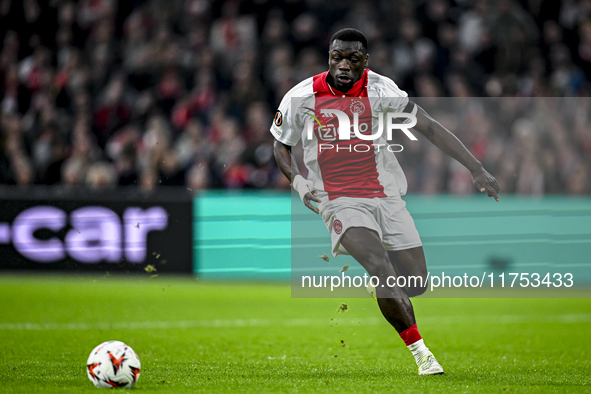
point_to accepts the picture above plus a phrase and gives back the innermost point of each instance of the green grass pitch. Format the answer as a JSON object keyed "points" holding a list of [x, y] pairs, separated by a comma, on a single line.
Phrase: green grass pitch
{"points": [[253, 337]]}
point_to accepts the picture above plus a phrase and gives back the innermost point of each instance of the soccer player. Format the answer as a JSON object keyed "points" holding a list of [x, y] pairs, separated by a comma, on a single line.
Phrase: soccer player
{"points": [[358, 183]]}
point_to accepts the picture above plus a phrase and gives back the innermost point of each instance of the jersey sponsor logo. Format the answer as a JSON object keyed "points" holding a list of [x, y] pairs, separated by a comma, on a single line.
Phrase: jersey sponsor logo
{"points": [[337, 226], [278, 118], [328, 131]]}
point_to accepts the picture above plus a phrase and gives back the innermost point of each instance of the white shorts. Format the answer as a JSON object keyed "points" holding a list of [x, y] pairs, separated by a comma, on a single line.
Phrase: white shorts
{"points": [[387, 216]]}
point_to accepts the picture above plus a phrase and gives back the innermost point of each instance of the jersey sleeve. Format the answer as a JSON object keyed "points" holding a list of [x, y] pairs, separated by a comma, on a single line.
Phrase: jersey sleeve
{"points": [[284, 128], [397, 99], [288, 124]]}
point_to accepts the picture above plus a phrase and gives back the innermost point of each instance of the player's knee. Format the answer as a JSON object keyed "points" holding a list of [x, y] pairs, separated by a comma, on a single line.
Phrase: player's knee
{"points": [[377, 264], [415, 291], [416, 285]]}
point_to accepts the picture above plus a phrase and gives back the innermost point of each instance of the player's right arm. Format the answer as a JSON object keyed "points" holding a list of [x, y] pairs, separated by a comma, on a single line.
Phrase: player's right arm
{"points": [[287, 129], [288, 166]]}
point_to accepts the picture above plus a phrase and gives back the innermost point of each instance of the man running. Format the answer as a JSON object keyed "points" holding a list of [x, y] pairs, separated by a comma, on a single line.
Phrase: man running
{"points": [[358, 187]]}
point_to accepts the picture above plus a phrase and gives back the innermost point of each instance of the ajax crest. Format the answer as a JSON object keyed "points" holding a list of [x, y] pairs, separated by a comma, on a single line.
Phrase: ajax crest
{"points": [[338, 226], [357, 107]]}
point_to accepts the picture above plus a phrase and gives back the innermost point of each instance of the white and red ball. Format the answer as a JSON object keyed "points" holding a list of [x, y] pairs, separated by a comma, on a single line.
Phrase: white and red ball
{"points": [[113, 364]]}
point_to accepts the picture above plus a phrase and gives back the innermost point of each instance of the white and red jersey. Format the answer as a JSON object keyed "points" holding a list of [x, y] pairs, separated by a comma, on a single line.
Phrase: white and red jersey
{"points": [[352, 167]]}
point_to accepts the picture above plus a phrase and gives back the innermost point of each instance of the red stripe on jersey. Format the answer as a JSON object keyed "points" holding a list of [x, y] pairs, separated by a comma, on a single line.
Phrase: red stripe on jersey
{"points": [[349, 168]]}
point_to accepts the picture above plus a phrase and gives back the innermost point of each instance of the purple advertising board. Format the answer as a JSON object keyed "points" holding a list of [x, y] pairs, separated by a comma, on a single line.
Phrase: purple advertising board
{"points": [[122, 230]]}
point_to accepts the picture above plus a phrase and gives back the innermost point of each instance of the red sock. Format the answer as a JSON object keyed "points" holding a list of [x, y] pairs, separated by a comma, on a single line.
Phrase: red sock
{"points": [[410, 335]]}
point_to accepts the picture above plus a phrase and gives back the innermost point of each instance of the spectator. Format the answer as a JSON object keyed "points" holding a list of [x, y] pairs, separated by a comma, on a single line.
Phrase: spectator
{"points": [[150, 94], [101, 176]]}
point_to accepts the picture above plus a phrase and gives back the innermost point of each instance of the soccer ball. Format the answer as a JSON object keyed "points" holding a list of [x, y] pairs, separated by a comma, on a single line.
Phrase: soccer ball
{"points": [[113, 364]]}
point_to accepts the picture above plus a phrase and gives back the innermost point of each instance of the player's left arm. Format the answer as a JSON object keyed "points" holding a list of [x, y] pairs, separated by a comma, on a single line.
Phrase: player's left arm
{"points": [[453, 147]]}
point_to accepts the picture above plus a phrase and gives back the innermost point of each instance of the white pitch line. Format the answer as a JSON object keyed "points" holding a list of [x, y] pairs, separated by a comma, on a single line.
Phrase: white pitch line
{"points": [[236, 323], [150, 325]]}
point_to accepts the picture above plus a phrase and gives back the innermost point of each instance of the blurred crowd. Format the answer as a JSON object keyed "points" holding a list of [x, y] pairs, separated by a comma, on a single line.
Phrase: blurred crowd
{"points": [[548, 153], [103, 93]]}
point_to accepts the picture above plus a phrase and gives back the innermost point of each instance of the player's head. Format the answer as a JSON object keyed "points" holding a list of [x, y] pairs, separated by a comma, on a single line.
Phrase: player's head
{"points": [[347, 58]]}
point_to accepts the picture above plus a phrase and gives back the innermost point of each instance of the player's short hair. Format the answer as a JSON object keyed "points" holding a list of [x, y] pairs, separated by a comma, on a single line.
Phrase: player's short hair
{"points": [[349, 35]]}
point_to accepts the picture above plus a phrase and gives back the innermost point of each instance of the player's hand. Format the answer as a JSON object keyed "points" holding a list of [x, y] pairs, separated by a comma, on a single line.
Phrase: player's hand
{"points": [[311, 196], [485, 182], [305, 189]]}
